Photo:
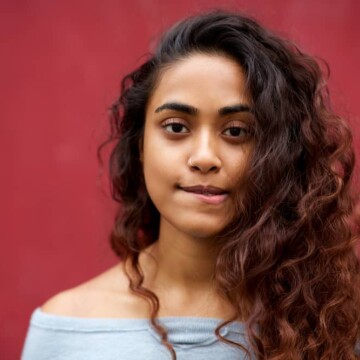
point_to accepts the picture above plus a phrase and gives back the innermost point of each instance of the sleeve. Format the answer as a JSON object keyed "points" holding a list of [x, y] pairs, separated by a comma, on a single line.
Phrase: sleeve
{"points": [[55, 344], [40, 344]]}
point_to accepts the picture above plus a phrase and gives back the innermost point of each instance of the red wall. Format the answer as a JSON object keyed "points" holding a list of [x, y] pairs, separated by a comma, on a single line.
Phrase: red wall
{"points": [[60, 67]]}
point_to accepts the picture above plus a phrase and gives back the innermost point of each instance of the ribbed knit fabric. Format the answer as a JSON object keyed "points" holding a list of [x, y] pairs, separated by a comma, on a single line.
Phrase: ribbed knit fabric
{"points": [[61, 337]]}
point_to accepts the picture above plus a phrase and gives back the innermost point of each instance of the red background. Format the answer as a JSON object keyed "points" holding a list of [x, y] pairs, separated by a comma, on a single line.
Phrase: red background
{"points": [[60, 67]]}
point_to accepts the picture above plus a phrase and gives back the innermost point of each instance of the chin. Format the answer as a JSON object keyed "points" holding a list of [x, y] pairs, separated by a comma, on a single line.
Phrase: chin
{"points": [[194, 224], [203, 232]]}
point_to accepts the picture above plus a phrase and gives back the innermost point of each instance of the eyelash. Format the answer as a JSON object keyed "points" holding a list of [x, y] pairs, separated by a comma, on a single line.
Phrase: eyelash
{"points": [[166, 124], [170, 122]]}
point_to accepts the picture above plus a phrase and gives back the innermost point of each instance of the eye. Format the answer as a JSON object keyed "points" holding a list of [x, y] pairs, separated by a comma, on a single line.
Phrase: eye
{"points": [[237, 131], [174, 126]]}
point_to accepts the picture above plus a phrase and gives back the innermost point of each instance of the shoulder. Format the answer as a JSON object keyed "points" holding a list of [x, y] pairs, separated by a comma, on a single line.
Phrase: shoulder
{"points": [[105, 295], [61, 304]]}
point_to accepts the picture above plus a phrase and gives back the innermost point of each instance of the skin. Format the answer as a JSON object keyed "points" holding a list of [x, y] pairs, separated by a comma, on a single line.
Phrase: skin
{"points": [[202, 151], [203, 141], [179, 266]]}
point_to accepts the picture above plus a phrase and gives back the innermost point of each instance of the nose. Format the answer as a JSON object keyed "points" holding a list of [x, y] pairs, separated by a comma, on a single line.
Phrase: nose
{"points": [[204, 155]]}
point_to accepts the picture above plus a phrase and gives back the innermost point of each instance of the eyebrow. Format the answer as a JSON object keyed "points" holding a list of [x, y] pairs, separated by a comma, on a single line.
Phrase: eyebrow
{"points": [[184, 108], [191, 110], [226, 110]]}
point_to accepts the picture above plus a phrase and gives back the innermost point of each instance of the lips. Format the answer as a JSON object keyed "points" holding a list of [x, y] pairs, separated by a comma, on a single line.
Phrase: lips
{"points": [[206, 194], [208, 190]]}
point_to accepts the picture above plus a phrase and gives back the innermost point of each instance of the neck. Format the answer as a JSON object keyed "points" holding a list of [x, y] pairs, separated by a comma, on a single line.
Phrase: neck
{"points": [[180, 261], [179, 269]]}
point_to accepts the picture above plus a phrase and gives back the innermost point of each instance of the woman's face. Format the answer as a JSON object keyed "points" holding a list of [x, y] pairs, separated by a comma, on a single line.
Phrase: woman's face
{"points": [[197, 134]]}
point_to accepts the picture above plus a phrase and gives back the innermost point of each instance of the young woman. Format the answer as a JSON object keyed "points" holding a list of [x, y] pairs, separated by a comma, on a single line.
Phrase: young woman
{"points": [[236, 229]]}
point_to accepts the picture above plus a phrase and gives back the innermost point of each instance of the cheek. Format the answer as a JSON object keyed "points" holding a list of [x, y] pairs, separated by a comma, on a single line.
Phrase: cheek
{"points": [[235, 162], [160, 179], [161, 166]]}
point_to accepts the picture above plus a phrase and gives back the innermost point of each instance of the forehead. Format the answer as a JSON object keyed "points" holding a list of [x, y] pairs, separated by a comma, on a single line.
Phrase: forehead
{"points": [[202, 80]]}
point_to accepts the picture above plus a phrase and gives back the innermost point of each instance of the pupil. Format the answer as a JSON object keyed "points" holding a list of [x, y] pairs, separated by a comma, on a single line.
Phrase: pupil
{"points": [[235, 131], [176, 127]]}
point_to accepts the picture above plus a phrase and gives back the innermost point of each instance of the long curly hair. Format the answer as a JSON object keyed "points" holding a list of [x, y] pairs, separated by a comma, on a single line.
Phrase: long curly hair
{"points": [[289, 250]]}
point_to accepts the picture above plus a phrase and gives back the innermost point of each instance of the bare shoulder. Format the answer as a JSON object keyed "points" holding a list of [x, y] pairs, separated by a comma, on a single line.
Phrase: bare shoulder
{"points": [[104, 296], [60, 304]]}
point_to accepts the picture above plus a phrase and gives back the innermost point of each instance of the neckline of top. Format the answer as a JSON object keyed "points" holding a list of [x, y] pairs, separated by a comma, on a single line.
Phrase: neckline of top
{"points": [[47, 320]]}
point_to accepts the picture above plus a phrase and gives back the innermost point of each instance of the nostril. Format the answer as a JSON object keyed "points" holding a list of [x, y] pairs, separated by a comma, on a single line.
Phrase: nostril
{"points": [[205, 164]]}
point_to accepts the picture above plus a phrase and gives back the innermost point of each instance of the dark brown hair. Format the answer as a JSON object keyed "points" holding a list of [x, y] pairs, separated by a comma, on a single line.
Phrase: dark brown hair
{"points": [[289, 249]]}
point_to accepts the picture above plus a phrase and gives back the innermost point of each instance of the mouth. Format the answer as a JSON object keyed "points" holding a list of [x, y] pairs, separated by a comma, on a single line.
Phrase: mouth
{"points": [[208, 194], [207, 190]]}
